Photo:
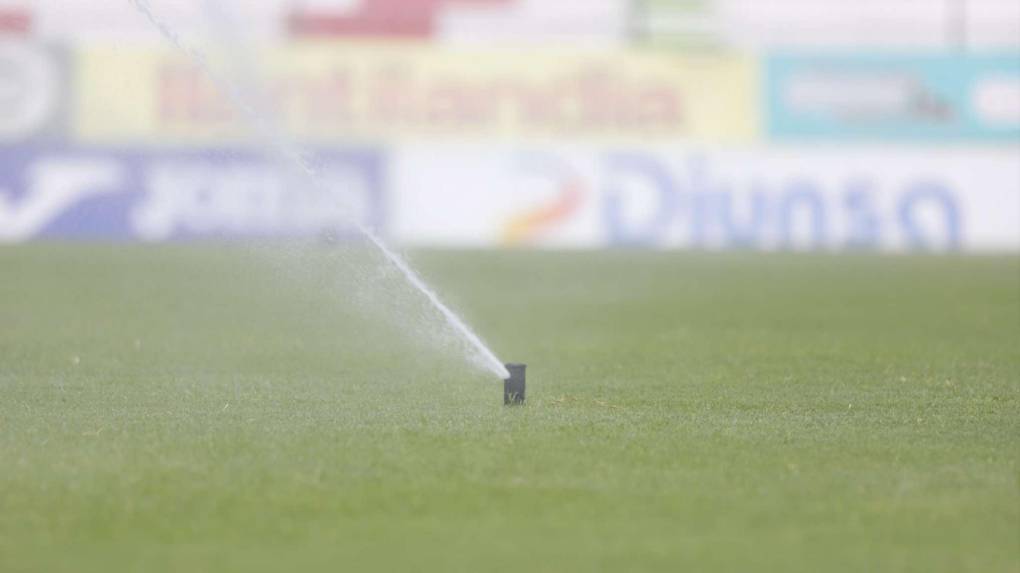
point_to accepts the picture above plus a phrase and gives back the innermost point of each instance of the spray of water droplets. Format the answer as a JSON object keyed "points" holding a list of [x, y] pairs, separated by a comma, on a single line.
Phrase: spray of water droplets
{"points": [[287, 153]]}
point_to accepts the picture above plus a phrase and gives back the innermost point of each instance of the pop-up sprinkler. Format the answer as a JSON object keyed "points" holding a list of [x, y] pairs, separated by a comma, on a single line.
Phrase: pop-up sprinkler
{"points": [[513, 387]]}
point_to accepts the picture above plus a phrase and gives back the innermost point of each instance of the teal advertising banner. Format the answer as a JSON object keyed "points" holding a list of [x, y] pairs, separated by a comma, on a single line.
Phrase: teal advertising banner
{"points": [[941, 98]]}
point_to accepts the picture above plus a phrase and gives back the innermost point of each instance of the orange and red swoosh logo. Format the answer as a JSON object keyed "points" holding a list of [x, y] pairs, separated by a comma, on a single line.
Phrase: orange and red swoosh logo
{"points": [[527, 226]]}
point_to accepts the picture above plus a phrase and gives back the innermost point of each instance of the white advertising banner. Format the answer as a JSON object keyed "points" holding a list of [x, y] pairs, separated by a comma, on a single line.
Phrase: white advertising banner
{"points": [[795, 198]]}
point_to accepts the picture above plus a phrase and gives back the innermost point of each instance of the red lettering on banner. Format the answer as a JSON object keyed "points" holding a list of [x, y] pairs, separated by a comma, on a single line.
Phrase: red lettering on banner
{"points": [[392, 18], [15, 21], [597, 97]]}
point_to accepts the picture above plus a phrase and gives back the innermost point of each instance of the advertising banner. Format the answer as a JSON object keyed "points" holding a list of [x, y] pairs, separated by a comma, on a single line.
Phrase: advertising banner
{"points": [[92, 193], [592, 22], [923, 98], [676, 197], [34, 88], [392, 92]]}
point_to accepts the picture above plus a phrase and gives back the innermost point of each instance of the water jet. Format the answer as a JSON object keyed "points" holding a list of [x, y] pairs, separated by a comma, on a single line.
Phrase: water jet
{"points": [[278, 145]]}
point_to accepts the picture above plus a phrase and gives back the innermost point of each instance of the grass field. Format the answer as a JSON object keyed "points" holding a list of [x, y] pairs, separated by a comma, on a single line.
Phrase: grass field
{"points": [[184, 409]]}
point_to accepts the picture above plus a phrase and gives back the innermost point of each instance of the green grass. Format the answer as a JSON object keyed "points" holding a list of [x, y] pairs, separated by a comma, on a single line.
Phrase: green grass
{"points": [[194, 409]]}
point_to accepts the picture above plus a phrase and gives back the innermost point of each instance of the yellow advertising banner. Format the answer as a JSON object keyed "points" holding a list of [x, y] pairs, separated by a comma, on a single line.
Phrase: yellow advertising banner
{"points": [[330, 92]]}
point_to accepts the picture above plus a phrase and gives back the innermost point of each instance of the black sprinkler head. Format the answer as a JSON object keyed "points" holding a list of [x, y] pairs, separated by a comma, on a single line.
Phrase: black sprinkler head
{"points": [[513, 387]]}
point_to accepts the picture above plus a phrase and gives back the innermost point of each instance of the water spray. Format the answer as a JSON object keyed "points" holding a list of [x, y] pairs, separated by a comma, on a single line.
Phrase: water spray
{"points": [[288, 154]]}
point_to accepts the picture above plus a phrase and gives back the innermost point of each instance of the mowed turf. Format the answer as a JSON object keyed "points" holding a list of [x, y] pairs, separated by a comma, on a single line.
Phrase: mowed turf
{"points": [[199, 409]]}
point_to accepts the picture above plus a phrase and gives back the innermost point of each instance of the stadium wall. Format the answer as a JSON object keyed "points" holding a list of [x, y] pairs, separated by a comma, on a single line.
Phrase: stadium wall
{"points": [[496, 147]]}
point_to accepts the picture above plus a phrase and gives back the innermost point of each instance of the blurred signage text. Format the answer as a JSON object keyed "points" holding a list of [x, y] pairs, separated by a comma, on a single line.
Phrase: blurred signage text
{"points": [[394, 93], [887, 97], [799, 199], [115, 194]]}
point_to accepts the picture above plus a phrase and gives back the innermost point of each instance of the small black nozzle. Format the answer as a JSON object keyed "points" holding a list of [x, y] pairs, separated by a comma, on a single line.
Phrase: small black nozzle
{"points": [[513, 387]]}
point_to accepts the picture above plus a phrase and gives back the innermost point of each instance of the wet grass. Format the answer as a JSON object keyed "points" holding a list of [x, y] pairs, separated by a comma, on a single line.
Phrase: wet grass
{"points": [[192, 408]]}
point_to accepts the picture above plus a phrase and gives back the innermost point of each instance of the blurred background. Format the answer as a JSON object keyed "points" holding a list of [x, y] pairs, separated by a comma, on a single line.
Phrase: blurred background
{"points": [[885, 125]]}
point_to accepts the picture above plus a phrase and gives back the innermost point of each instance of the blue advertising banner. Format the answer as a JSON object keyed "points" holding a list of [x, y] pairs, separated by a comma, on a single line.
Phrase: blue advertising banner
{"points": [[156, 195], [886, 97]]}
